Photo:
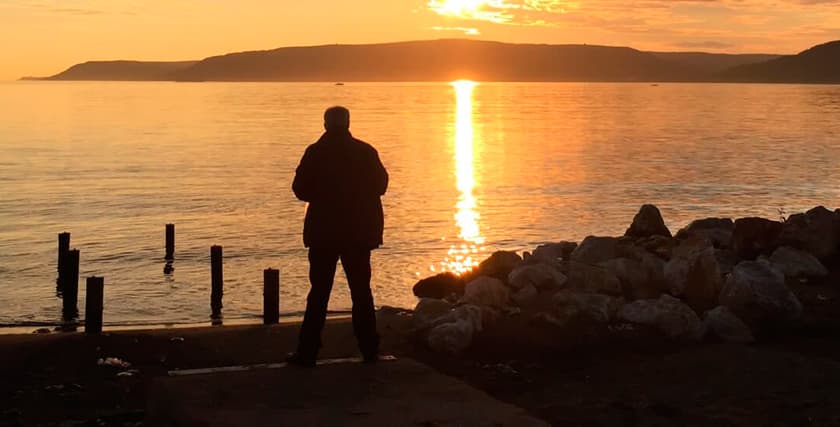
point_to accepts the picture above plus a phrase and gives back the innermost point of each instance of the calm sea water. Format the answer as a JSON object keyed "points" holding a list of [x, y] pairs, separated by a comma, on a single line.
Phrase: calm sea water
{"points": [[474, 168]]}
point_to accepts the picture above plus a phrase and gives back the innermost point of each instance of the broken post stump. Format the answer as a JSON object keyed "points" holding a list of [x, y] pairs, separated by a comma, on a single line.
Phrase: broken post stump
{"points": [[94, 299], [70, 285], [170, 242], [63, 247], [216, 281], [271, 296]]}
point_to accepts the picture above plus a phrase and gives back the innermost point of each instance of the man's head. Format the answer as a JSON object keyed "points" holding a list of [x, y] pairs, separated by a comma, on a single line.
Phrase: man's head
{"points": [[337, 119]]}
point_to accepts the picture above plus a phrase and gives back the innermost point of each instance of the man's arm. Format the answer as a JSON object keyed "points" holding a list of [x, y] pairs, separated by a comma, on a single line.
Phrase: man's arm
{"points": [[380, 175], [304, 184]]}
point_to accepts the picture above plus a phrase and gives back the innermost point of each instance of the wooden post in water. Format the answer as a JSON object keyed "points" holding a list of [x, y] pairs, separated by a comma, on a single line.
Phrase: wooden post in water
{"points": [[94, 299], [217, 283], [271, 296], [63, 247], [170, 242], [70, 285]]}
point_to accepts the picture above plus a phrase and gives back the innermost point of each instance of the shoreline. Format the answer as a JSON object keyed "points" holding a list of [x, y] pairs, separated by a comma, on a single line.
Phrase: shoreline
{"points": [[45, 328]]}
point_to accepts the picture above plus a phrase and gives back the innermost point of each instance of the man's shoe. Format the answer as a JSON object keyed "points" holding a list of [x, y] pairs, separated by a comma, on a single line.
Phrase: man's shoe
{"points": [[370, 358], [297, 359]]}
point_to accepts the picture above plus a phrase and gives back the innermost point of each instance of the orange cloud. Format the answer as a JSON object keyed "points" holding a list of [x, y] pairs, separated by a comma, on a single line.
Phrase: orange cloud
{"points": [[516, 12]]}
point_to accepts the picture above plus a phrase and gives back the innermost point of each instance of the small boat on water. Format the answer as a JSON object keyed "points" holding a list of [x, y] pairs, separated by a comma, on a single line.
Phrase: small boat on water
{"points": [[339, 84]]}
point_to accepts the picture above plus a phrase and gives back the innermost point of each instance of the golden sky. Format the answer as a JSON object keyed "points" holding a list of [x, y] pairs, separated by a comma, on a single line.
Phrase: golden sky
{"points": [[43, 37]]}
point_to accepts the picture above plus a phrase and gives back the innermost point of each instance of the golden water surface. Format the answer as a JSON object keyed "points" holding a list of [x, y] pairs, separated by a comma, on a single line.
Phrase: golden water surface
{"points": [[475, 167]]}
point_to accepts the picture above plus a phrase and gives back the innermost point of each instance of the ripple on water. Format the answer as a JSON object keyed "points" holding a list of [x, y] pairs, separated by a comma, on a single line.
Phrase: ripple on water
{"points": [[547, 162]]}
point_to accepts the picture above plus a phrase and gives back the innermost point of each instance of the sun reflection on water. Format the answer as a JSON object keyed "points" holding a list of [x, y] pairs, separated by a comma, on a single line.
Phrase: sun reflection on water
{"points": [[464, 255]]}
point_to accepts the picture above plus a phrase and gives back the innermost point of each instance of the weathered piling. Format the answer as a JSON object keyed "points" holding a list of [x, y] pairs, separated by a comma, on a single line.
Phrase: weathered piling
{"points": [[63, 247], [94, 301], [217, 283], [70, 285], [170, 242], [271, 296]]}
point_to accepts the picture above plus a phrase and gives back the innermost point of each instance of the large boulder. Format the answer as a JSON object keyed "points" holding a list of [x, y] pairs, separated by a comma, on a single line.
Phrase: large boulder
{"points": [[668, 314], [642, 275], [648, 222], [837, 222], [594, 249], [525, 296], [661, 246], [693, 273], [554, 251], [752, 237], [725, 325], [726, 259], [439, 286], [814, 231], [487, 291], [541, 276], [716, 230], [428, 311], [796, 263], [756, 293], [656, 284], [587, 306], [594, 279], [499, 264], [637, 279], [455, 335]]}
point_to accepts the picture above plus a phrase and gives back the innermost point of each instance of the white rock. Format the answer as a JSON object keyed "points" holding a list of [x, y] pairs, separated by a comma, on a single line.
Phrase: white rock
{"points": [[668, 314], [796, 263], [592, 278], [727, 326], [540, 276], [595, 307], [428, 310], [525, 296], [486, 291], [632, 274], [756, 291], [693, 272], [454, 332], [451, 338]]}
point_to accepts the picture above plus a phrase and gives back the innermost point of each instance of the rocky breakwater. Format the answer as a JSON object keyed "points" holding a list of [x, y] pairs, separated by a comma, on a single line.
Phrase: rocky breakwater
{"points": [[715, 279]]}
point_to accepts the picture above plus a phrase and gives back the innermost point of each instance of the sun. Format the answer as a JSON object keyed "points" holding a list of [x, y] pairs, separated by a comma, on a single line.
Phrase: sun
{"points": [[458, 8]]}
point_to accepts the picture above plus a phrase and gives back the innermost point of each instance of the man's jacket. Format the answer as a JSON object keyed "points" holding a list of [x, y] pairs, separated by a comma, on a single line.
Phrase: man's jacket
{"points": [[342, 178]]}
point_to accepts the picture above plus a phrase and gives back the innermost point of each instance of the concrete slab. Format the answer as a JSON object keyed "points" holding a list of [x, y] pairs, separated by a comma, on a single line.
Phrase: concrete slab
{"points": [[396, 393]]}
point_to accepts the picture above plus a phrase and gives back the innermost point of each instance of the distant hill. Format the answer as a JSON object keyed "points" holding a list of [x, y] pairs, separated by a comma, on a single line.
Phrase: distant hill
{"points": [[120, 70], [438, 60], [446, 60], [712, 63], [819, 64]]}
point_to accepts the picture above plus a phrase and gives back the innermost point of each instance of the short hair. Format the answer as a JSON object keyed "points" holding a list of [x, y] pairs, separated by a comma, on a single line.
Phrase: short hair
{"points": [[337, 118]]}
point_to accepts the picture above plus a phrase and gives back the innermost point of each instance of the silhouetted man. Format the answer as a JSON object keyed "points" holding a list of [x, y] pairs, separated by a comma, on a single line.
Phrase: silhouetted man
{"points": [[342, 178]]}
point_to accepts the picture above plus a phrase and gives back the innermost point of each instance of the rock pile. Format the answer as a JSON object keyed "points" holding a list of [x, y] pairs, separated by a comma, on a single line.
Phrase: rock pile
{"points": [[714, 278]]}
